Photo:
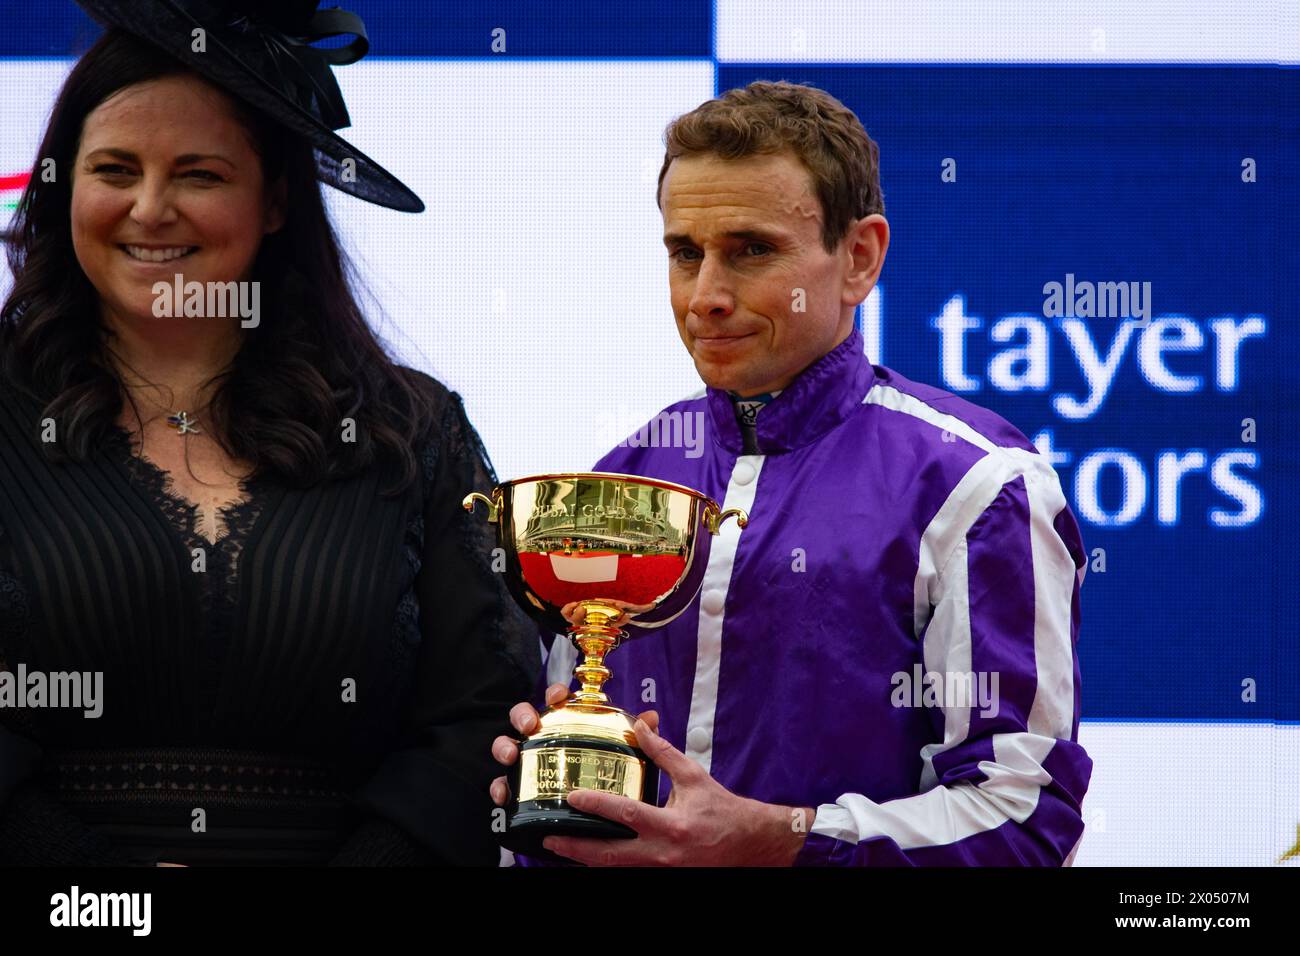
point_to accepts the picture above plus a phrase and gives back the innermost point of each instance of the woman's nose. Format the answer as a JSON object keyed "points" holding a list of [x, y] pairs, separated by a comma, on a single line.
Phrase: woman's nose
{"points": [[153, 203]]}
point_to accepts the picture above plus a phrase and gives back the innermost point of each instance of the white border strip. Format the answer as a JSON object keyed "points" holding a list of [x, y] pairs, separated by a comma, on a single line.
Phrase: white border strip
{"points": [[1007, 31]]}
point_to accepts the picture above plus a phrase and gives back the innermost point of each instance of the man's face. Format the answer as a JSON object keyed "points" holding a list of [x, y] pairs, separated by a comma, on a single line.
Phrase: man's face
{"points": [[756, 295]]}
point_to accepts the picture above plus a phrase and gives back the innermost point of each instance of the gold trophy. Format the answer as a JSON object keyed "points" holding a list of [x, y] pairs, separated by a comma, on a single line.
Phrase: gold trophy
{"points": [[591, 554]]}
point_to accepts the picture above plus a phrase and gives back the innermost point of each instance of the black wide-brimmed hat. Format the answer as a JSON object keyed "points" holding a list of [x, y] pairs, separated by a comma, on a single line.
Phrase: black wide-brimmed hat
{"points": [[262, 53]]}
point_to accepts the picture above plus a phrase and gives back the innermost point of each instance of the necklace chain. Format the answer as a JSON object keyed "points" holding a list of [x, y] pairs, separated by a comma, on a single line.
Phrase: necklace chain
{"points": [[182, 421]]}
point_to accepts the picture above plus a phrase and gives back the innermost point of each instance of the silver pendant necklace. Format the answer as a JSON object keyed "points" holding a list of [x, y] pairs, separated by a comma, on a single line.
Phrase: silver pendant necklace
{"points": [[181, 421], [183, 424]]}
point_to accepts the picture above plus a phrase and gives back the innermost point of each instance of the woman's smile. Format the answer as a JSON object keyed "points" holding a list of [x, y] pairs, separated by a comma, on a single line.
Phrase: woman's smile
{"points": [[149, 264]]}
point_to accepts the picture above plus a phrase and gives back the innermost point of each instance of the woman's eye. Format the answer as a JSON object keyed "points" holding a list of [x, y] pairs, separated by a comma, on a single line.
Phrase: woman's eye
{"points": [[117, 169]]}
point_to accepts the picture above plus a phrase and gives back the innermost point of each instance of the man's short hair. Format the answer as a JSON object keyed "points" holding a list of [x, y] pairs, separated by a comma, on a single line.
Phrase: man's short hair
{"points": [[822, 132]]}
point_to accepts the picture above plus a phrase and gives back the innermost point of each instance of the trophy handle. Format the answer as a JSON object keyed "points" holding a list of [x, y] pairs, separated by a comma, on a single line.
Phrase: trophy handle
{"points": [[713, 519], [494, 509]]}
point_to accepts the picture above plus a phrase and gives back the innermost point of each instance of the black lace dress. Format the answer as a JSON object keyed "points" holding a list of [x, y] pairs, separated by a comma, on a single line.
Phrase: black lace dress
{"points": [[322, 684]]}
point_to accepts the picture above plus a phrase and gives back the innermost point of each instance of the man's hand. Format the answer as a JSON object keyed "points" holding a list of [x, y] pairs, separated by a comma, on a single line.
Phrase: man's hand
{"points": [[523, 717], [703, 823]]}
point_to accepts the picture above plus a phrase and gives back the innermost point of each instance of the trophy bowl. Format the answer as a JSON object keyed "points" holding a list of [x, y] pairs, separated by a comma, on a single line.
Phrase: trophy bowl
{"points": [[599, 557]]}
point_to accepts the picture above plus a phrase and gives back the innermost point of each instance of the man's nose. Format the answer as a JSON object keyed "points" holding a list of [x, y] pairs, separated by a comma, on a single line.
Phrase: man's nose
{"points": [[153, 204], [713, 293]]}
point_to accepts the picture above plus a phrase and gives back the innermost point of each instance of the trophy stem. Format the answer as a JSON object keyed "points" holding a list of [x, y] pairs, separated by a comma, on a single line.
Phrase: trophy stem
{"points": [[595, 638]]}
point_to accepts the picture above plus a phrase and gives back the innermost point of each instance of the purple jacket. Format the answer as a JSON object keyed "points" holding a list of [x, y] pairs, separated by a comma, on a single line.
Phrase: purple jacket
{"points": [[892, 639]]}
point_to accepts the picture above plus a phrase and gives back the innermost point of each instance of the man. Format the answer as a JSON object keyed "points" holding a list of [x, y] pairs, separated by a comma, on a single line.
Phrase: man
{"points": [[880, 669]]}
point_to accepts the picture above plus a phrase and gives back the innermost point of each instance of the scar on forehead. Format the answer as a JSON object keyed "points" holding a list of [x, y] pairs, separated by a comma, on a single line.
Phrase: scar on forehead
{"points": [[805, 205]]}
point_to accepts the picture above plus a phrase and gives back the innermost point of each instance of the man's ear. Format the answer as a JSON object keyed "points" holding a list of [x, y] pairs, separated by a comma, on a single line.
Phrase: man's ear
{"points": [[277, 206], [864, 246]]}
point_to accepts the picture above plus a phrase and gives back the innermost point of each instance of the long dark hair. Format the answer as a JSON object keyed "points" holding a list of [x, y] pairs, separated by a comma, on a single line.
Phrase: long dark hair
{"points": [[312, 362]]}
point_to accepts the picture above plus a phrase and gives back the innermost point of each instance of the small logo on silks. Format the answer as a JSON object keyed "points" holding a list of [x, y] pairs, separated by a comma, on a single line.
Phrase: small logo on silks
{"points": [[11, 189]]}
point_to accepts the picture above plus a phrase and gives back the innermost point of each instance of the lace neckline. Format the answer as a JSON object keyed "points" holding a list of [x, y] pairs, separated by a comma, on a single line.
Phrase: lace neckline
{"points": [[218, 588], [234, 520]]}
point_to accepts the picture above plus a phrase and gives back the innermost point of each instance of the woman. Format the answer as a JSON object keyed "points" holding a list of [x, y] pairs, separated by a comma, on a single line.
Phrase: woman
{"points": [[246, 521]]}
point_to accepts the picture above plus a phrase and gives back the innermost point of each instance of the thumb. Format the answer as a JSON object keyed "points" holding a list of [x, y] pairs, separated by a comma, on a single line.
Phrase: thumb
{"points": [[679, 767], [651, 717]]}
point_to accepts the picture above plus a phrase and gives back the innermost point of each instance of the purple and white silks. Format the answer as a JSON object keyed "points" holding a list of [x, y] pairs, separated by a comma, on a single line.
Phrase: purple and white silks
{"points": [[895, 529]]}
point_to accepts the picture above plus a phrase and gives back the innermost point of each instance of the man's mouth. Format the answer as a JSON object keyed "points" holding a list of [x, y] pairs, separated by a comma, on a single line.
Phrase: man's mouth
{"points": [[165, 254], [720, 339]]}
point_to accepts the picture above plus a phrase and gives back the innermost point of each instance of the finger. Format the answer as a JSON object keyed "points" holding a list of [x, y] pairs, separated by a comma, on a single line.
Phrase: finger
{"points": [[523, 717], [500, 791], [556, 693], [505, 751], [641, 817], [651, 717], [681, 768]]}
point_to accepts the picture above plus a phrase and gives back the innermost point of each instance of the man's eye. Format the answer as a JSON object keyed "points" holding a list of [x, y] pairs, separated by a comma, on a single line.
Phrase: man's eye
{"points": [[684, 255], [763, 248]]}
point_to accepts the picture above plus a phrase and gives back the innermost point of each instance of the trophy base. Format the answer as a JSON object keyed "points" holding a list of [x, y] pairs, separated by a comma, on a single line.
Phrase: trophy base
{"points": [[535, 821], [548, 813]]}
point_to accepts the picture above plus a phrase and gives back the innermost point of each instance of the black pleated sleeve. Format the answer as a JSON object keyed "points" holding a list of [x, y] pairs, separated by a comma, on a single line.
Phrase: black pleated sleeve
{"points": [[478, 657]]}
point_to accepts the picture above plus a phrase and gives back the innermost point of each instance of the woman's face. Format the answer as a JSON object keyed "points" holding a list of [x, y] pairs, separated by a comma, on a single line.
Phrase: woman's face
{"points": [[165, 171]]}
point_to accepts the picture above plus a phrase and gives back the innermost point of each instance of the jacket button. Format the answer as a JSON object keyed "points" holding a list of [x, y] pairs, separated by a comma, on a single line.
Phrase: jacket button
{"points": [[743, 474], [713, 602], [697, 739]]}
